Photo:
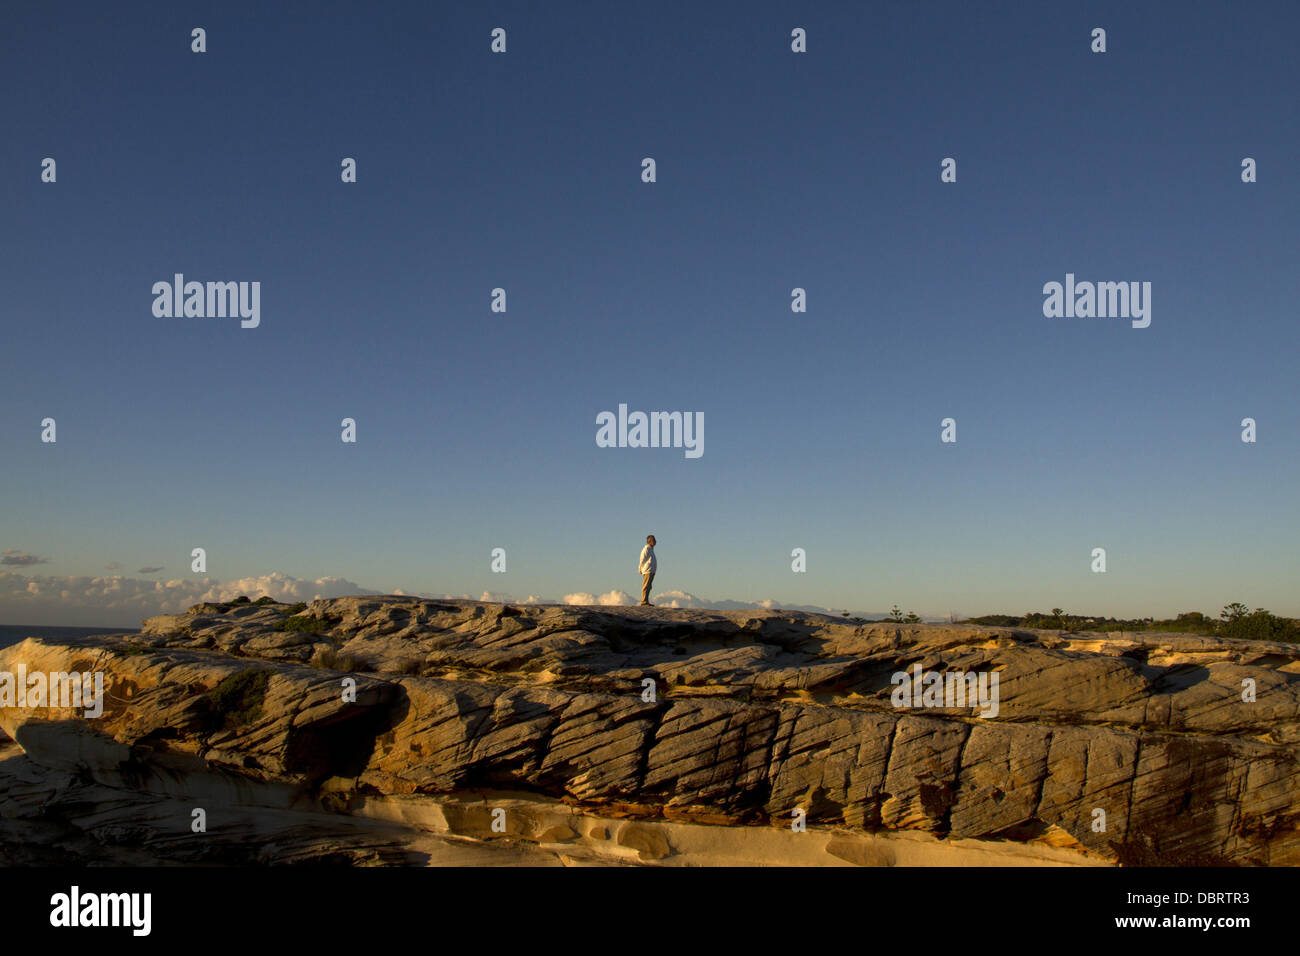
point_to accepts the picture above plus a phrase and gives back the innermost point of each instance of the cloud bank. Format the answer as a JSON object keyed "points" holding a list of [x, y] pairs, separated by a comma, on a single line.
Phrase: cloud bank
{"points": [[20, 559], [125, 601]]}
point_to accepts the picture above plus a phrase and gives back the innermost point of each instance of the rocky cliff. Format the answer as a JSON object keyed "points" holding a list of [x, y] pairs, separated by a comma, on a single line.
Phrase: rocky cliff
{"points": [[401, 730]]}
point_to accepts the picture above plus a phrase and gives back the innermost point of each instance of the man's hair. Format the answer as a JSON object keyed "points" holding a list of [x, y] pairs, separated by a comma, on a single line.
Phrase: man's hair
{"points": [[649, 538]]}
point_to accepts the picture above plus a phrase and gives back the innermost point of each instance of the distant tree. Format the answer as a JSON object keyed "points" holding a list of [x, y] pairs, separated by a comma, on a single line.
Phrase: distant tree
{"points": [[895, 614], [912, 618], [1234, 611], [997, 620], [1060, 619], [1261, 625]]}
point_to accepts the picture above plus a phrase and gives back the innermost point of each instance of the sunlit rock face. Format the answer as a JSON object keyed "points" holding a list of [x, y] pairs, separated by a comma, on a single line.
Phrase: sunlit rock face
{"points": [[399, 730]]}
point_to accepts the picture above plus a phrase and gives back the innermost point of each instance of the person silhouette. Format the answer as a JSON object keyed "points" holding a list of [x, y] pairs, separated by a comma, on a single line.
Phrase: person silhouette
{"points": [[647, 566]]}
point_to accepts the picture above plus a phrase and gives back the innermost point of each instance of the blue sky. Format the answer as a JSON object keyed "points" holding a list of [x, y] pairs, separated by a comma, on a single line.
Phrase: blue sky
{"points": [[775, 170]]}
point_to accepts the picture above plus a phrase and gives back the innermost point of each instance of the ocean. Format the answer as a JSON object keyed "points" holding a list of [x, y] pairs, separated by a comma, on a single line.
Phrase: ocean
{"points": [[13, 633]]}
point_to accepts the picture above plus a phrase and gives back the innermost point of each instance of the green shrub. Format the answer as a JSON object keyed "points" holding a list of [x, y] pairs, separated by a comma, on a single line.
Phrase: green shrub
{"points": [[1236, 621], [1261, 625], [237, 700], [307, 625], [332, 660]]}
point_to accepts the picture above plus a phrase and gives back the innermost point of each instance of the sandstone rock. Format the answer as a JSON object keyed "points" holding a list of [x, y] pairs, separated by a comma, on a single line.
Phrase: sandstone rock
{"points": [[858, 853], [650, 843], [757, 713]]}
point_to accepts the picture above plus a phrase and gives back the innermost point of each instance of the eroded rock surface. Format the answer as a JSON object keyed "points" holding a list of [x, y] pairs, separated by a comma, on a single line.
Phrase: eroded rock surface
{"points": [[754, 715]]}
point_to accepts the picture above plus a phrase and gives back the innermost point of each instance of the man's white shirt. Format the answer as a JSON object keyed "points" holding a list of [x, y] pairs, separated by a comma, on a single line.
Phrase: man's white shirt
{"points": [[648, 563]]}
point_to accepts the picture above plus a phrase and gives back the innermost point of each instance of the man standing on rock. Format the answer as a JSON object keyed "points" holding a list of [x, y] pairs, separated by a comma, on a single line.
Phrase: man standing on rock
{"points": [[647, 566]]}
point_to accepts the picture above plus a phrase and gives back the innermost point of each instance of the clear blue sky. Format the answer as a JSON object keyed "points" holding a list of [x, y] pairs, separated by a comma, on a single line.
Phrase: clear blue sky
{"points": [[775, 170]]}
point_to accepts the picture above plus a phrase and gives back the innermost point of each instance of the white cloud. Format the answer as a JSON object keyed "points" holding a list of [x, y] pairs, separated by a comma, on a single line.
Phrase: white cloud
{"points": [[614, 598], [677, 599], [688, 600], [282, 587], [21, 559]]}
